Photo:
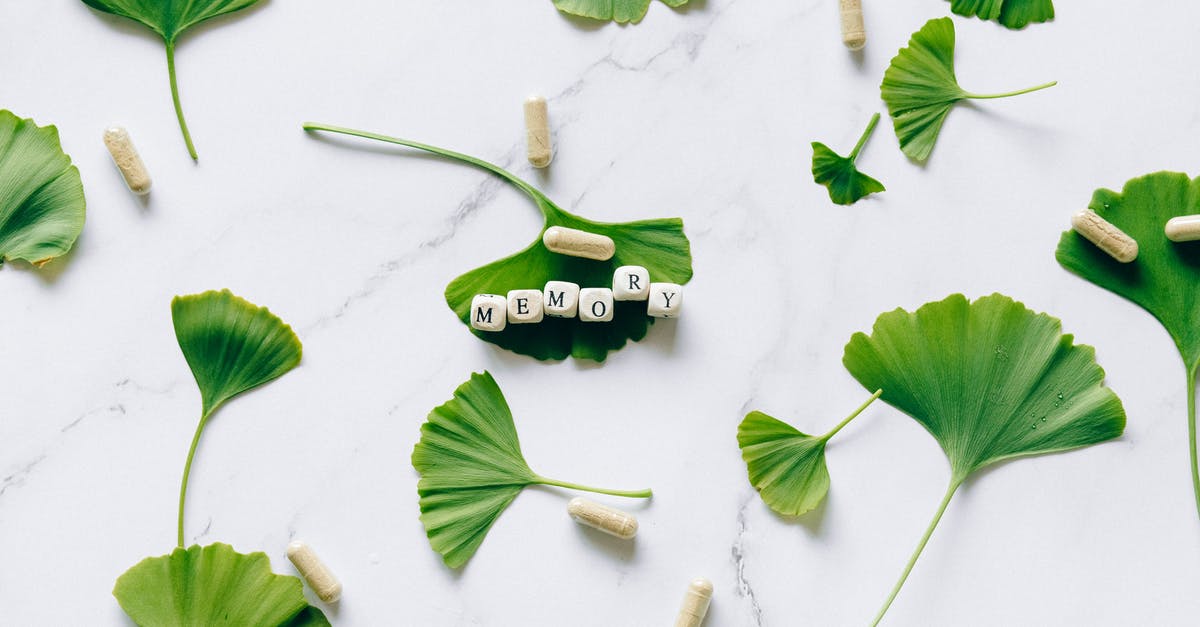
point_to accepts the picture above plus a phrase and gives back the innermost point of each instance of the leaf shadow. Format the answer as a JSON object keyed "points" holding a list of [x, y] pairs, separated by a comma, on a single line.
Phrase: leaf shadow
{"points": [[50, 273], [592, 24], [812, 521], [221, 20]]}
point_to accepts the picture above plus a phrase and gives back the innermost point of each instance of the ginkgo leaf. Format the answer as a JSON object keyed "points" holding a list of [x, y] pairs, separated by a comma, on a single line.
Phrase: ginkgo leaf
{"points": [[42, 207], [837, 173], [611, 10], [210, 586], [786, 466], [1014, 14], [920, 87], [471, 468], [170, 18], [660, 246], [232, 346], [990, 380], [1165, 279]]}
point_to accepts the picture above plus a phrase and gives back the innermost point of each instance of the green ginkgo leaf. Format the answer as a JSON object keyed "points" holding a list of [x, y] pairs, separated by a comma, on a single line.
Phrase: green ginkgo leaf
{"points": [[41, 196], [1014, 14], [232, 346], [210, 586], [170, 18], [990, 380], [471, 468], [660, 246], [1165, 279], [611, 10], [920, 87], [786, 466], [837, 173]]}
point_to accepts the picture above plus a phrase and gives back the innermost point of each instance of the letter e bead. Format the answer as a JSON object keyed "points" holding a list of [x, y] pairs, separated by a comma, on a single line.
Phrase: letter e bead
{"points": [[596, 304], [489, 312], [524, 306], [666, 300]]}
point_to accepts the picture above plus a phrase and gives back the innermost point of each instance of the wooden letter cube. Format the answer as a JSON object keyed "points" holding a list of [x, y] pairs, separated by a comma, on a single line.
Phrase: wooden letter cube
{"points": [[596, 304], [666, 300], [489, 312]]}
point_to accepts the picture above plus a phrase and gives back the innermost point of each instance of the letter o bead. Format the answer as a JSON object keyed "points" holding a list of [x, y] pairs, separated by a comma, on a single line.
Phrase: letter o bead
{"points": [[666, 300], [596, 304], [489, 312]]}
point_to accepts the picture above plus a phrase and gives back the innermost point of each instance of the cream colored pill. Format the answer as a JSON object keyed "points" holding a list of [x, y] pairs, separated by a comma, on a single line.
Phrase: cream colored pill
{"points": [[695, 603], [128, 161], [1183, 229], [315, 572], [1105, 236], [854, 32], [576, 243], [612, 521], [537, 132]]}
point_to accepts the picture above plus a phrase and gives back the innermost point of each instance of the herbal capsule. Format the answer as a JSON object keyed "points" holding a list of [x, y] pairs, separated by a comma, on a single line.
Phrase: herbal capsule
{"points": [[1183, 229], [537, 132], [314, 571], [1105, 236], [128, 161], [614, 522], [854, 33], [695, 603], [576, 243]]}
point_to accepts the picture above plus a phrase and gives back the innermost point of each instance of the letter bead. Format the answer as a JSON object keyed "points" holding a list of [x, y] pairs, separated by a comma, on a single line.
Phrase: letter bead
{"points": [[1106, 236], [524, 306], [315, 572], [666, 300], [596, 304], [612, 521], [560, 299], [489, 312], [631, 283], [695, 603]]}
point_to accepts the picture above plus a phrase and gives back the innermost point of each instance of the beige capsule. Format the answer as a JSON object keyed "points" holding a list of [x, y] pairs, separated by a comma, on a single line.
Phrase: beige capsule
{"points": [[612, 521], [1183, 228], [1105, 235], [315, 572], [695, 603], [576, 243], [128, 161], [854, 32], [537, 132]]}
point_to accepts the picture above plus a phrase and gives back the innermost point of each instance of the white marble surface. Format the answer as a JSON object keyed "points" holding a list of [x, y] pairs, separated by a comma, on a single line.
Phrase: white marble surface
{"points": [[704, 113]]}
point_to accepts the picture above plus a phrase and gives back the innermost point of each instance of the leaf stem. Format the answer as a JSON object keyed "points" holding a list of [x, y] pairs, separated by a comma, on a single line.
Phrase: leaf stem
{"points": [[187, 136], [539, 198], [1011, 93], [862, 141], [860, 409], [631, 494], [187, 470], [954, 483], [1191, 381]]}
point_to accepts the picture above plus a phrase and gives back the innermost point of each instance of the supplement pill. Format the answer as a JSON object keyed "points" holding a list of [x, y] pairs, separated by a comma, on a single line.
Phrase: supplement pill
{"points": [[128, 161], [537, 132], [695, 603], [1105, 236], [576, 243], [854, 33], [1183, 229], [614, 522], [314, 571]]}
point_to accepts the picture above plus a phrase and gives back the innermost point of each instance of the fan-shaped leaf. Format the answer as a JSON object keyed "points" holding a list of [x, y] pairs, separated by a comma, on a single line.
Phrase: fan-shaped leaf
{"points": [[472, 468], [170, 18], [41, 196], [990, 380], [231, 345], [1014, 14], [210, 586], [614, 10], [1165, 279], [920, 87], [660, 246], [839, 174]]}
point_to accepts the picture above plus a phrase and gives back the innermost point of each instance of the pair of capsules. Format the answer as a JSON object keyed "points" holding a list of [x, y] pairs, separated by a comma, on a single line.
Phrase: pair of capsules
{"points": [[562, 299], [1118, 244], [623, 525]]}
